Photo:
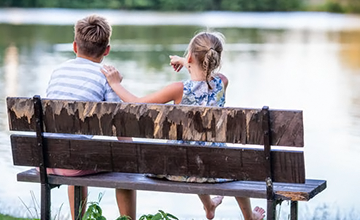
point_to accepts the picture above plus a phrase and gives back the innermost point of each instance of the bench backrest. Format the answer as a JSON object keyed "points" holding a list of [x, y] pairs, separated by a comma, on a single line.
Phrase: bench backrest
{"points": [[155, 121]]}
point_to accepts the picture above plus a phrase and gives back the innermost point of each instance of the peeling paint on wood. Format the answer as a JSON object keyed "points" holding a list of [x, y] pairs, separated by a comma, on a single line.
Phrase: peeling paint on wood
{"points": [[174, 122], [22, 108], [294, 196]]}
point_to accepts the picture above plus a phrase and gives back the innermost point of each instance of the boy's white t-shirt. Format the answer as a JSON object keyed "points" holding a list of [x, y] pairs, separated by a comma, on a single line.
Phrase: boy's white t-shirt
{"points": [[80, 79]]}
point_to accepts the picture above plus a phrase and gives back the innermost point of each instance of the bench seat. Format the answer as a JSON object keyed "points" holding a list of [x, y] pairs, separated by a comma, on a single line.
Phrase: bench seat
{"points": [[253, 189]]}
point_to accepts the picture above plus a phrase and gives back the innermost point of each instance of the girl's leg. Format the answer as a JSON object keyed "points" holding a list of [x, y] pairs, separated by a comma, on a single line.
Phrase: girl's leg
{"points": [[71, 190], [210, 204], [126, 200], [245, 206]]}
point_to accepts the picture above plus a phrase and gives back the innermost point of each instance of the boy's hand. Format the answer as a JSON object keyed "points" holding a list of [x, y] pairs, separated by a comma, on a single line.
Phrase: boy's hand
{"points": [[177, 62], [112, 75]]}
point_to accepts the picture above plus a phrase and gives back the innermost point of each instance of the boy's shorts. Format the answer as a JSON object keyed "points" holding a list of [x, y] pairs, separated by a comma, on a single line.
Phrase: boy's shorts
{"points": [[67, 172]]}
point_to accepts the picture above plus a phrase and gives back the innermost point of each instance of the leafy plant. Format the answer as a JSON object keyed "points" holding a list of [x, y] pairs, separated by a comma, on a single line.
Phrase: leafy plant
{"points": [[124, 217], [161, 215], [94, 211]]}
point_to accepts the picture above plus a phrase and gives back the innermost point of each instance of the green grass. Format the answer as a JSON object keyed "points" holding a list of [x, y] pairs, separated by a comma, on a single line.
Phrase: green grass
{"points": [[8, 217]]}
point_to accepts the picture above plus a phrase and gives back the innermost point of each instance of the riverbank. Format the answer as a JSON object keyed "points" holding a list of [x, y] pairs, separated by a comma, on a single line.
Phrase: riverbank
{"points": [[338, 6], [316, 21], [8, 217]]}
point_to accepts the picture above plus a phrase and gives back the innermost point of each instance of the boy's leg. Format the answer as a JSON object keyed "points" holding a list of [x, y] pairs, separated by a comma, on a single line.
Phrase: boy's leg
{"points": [[210, 204], [71, 190], [126, 200], [245, 206]]}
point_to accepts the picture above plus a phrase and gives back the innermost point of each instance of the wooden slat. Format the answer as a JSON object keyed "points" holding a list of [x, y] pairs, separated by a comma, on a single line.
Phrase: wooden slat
{"points": [[253, 189], [160, 158], [231, 125]]}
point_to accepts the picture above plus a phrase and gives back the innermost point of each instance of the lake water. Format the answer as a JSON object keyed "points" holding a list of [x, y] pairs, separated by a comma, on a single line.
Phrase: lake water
{"points": [[307, 61]]}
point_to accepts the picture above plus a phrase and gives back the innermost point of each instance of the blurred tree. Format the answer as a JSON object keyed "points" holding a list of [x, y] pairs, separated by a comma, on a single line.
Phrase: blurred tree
{"points": [[352, 6], [165, 5], [337, 6], [261, 5]]}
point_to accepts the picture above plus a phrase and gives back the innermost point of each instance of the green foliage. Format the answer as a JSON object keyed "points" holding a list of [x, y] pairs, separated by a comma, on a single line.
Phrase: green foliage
{"points": [[161, 215], [94, 212], [185, 5], [337, 6], [162, 5], [124, 217], [261, 5], [333, 6], [8, 217]]}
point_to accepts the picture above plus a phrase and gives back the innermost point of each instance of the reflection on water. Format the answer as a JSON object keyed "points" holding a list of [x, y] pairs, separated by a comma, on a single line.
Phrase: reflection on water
{"points": [[267, 63], [11, 64], [351, 54], [350, 57]]}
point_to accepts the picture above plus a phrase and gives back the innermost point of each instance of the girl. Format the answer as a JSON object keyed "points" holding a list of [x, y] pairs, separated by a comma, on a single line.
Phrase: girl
{"points": [[205, 88]]}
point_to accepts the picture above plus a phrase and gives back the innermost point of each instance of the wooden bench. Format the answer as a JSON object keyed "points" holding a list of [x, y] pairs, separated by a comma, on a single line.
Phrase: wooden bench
{"points": [[273, 174]]}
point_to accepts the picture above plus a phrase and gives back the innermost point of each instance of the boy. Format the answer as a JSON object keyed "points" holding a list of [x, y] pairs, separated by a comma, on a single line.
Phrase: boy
{"points": [[81, 79]]}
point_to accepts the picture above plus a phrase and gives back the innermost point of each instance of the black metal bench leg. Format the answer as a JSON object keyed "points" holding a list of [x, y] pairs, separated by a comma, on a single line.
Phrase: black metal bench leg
{"points": [[45, 201], [271, 210], [271, 202], [78, 203], [294, 210]]}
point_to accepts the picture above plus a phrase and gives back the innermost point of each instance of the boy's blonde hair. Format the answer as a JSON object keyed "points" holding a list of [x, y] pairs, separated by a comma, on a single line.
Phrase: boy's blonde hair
{"points": [[207, 48], [92, 35]]}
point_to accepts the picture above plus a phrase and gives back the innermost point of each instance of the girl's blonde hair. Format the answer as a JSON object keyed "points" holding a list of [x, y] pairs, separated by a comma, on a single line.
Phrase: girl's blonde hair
{"points": [[92, 35], [206, 48]]}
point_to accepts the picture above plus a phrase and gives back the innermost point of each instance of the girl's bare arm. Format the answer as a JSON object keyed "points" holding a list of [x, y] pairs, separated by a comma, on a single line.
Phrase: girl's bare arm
{"points": [[172, 92]]}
